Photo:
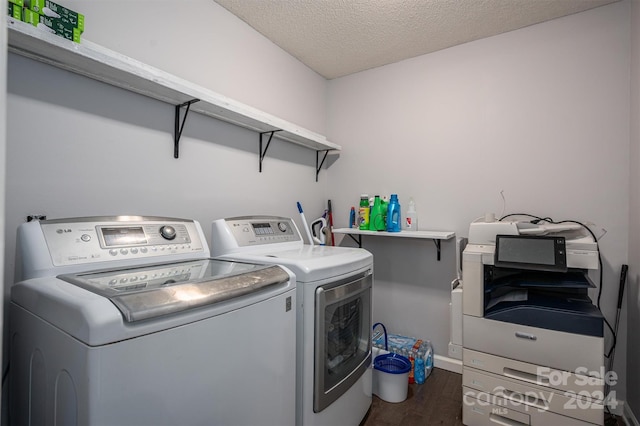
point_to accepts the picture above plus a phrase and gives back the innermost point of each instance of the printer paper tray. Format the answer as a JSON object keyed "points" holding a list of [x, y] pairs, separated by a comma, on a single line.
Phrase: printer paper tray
{"points": [[570, 315], [527, 279], [530, 398], [555, 349]]}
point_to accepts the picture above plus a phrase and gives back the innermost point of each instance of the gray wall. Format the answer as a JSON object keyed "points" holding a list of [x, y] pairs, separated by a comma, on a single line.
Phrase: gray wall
{"points": [[540, 114], [77, 147], [200, 41], [80, 147]]}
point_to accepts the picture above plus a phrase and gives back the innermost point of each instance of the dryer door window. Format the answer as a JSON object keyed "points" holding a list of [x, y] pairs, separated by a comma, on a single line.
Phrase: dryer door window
{"points": [[342, 337]]}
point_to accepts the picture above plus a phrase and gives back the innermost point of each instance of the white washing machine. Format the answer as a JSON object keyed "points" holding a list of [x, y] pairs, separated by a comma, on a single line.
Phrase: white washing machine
{"points": [[128, 321], [334, 287]]}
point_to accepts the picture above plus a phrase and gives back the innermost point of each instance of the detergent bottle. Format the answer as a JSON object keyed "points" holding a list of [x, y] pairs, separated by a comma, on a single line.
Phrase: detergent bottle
{"points": [[376, 220], [394, 221], [363, 212]]}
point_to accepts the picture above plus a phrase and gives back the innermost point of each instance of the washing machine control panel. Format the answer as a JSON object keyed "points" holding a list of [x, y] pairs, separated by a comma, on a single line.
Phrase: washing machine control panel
{"points": [[261, 230], [94, 239]]}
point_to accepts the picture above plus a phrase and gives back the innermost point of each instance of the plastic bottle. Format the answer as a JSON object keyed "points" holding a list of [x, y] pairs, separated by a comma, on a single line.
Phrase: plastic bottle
{"points": [[376, 220], [363, 212], [352, 218], [428, 360], [394, 221], [411, 218], [404, 352], [412, 376], [419, 371]]}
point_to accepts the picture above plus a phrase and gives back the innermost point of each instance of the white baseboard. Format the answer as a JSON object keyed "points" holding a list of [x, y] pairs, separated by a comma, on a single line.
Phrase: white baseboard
{"points": [[446, 363]]}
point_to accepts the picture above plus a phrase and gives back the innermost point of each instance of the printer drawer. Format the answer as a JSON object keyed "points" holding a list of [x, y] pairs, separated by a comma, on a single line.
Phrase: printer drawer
{"points": [[556, 349], [531, 397], [485, 412], [544, 377]]}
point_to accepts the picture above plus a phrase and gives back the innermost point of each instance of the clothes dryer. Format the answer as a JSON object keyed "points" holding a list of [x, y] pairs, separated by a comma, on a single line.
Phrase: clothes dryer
{"points": [[334, 294], [128, 321]]}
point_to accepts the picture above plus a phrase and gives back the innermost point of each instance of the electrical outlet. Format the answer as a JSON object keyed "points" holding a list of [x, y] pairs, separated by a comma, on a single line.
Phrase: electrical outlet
{"points": [[455, 351]]}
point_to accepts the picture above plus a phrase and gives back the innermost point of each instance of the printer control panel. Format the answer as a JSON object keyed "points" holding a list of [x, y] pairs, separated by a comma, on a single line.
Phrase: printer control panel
{"points": [[531, 253]]}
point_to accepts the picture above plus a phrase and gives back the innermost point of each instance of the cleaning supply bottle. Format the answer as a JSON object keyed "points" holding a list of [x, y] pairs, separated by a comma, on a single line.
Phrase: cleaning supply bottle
{"points": [[363, 212], [394, 221], [411, 218], [352, 218], [376, 219]]}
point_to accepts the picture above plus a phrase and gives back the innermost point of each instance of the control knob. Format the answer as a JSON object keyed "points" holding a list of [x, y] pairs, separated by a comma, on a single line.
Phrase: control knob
{"points": [[168, 232], [282, 226]]}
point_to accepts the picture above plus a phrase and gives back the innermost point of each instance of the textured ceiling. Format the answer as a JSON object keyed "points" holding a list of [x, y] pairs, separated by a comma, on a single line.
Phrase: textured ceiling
{"points": [[340, 37]]}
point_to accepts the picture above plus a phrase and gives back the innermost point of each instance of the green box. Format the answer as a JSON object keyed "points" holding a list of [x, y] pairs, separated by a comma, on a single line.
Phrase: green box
{"points": [[54, 10], [18, 2], [53, 25], [15, 11]]}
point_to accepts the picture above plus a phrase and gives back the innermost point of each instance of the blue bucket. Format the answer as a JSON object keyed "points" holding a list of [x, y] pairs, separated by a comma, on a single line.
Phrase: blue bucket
{"points": [[392, 363], [390, 374]]}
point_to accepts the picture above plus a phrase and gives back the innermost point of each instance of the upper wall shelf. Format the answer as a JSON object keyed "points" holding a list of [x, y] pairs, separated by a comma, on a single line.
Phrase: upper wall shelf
{"points": [[105, 65]]}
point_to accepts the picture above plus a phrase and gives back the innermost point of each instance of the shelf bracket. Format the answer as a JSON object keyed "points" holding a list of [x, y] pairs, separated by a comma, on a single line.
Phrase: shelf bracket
{"points": [[358, 240], [319, 167], [263, 152], [177, 130], [437, 243]]}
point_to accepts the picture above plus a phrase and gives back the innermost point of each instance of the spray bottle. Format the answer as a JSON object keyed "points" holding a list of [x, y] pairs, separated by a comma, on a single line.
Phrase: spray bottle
{"points": [[411, 218]]}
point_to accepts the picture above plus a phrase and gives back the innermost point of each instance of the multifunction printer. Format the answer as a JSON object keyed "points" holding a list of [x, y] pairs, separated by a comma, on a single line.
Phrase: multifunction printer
{"points": [[533, 346]]}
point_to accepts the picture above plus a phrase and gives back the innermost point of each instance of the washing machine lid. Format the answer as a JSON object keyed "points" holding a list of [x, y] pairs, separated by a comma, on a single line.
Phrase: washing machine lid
{"points": [[311, 263], [158, 290]]}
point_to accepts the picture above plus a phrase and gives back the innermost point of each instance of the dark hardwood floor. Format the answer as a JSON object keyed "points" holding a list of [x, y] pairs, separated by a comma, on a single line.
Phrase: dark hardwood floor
{"points": [[436, 402]]}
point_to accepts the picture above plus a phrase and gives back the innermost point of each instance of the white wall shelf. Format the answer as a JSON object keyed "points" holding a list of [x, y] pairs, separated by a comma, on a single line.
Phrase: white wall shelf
{"points": [[436, 236], [99, 63]]}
